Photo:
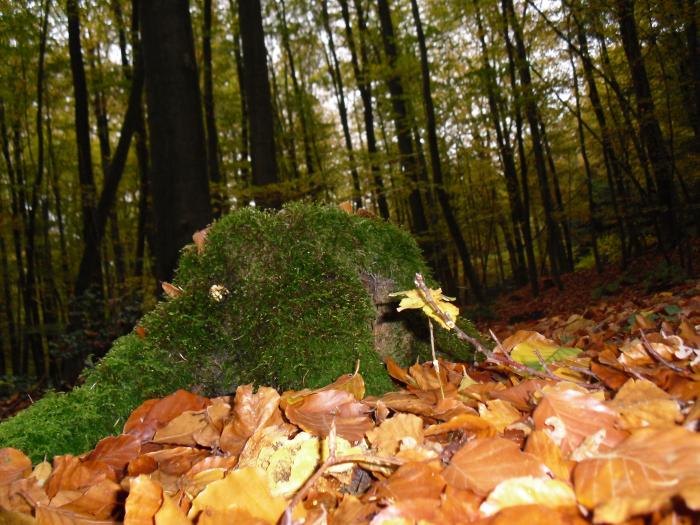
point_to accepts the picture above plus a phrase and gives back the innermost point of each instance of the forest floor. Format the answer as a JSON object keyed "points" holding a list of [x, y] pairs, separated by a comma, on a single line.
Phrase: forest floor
{"points": [[586, 412]]}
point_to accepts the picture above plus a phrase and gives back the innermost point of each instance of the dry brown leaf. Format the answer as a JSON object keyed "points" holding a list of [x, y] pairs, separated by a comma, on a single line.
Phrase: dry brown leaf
{"points": [[100, 500], [170, 514], [171, 290], [527, 490], [468, 423], [181, 429], [251, 411], [316, 413], [570, 414], [387, 437], [200, 238], [407, 512], [641, 475], [116, 451], [482, 464], [54, 516]]}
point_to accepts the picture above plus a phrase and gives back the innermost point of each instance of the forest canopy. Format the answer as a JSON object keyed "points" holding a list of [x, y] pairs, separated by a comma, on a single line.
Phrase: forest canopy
{"points": [[517, 140]]}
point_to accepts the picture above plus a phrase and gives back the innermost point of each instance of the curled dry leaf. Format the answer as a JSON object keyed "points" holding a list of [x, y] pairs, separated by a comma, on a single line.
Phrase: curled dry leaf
{"points": [[200, 238], [251, 411], [171, 290], [387, 437], [570, 414], [316, 413]]}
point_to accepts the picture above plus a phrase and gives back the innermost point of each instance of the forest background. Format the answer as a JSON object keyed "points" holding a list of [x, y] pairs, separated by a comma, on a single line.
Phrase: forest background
{"points": [[518, 140]]}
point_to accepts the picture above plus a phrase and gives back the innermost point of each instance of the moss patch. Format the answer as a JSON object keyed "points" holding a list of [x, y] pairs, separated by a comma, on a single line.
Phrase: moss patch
{"points": [[306, 299]]}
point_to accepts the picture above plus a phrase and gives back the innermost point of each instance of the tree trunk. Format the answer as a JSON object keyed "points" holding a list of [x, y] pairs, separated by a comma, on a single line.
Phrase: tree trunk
{"points": [[337, 79], [507, 157], [257, 89], [407, 156], [443, 197], [218, 185], [650, 130], [554, 242], [179, 179], [91, 239], [365, 88], [522, 157]]}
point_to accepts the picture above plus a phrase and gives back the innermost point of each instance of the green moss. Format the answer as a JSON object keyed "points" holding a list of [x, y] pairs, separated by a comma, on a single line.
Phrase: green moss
{"points": [[308, 297]]}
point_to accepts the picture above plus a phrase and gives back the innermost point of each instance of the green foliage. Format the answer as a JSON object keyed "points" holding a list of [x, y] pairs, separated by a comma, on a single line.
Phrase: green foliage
{"points": [[297, 314]]}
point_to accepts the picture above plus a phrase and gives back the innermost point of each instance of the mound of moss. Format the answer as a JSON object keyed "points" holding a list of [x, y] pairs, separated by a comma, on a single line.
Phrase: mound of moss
{"points": [[299, 297]]}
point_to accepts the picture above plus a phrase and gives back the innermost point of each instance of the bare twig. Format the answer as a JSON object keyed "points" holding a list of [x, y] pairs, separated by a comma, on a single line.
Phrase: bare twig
{"points": [[436, 363], [658, 357]]}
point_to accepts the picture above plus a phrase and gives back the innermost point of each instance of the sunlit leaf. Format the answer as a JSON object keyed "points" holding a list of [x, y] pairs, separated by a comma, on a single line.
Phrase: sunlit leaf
{"points": [[415, 299], [529, 491]]}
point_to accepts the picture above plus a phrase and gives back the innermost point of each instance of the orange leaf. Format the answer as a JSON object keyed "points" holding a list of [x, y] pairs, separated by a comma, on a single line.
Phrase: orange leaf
{"points": [[14, 464], [413, 480], [387, 437], [482, 464], [541, 446], [144, 500], [641, 475], [571, 415]]}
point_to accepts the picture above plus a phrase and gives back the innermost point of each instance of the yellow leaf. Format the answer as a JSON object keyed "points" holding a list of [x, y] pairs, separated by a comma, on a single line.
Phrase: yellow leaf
{"points": [[170, 514], [290, 464], [246, 489], [499, 413], [528, 490], [415, 299]]}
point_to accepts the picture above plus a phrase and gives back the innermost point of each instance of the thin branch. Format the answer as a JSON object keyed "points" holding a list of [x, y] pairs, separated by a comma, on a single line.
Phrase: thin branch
{"points": [[658, 357]]}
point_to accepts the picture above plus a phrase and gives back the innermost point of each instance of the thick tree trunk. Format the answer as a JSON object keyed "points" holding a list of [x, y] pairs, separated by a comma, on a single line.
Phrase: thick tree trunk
{"points": [[257, 89], [443, 197], [179, 179], [650, 130]]}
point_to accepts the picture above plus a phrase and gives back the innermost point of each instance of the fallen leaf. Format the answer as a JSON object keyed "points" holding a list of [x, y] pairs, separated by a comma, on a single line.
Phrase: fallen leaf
{"points": [[483, 463], [527, 490], [387, 437]]}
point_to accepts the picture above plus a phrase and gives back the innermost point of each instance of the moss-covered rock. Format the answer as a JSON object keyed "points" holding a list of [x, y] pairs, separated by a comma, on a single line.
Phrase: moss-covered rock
{"points": [[307, 297]]}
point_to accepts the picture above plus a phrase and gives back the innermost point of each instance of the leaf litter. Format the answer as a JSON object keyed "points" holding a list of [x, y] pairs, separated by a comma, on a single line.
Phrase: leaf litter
{"points": [[588, 419]]}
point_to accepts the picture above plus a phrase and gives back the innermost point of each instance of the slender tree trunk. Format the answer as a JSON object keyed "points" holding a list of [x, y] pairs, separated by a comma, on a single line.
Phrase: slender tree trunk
{"points": [[298, 94], [443, 197], [553, 234], [517, 103], [244, 158], [91, 239], [218, 185], [337, 79], [592, 208], [365, 88], [407, 155], [612, 162], [179, 178], [507, 157], [650, 129], [257, 89]]}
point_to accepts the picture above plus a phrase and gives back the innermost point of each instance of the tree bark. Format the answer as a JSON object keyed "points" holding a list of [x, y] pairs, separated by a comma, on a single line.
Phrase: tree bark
{"points": [[257, 88], [179, 179]]}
